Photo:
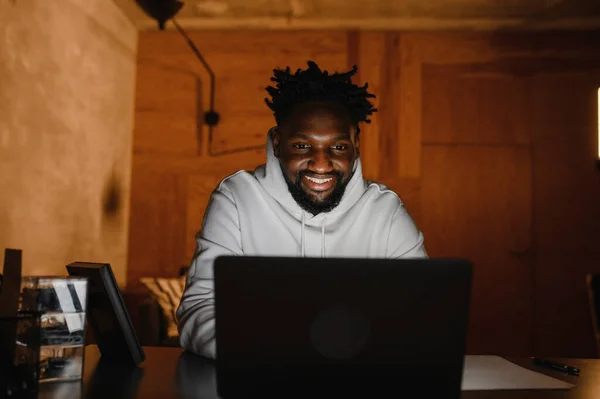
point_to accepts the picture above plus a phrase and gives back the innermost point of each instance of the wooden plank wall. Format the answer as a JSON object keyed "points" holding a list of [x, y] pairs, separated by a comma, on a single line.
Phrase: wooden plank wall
{"points": [[488, 138]]}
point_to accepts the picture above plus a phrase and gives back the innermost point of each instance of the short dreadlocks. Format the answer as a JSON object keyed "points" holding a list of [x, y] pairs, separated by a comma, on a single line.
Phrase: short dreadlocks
{"points": [[313, 84]]}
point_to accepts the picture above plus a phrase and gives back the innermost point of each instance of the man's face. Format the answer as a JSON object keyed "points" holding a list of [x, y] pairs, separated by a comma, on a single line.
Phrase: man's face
{"points": [[317, 147]]}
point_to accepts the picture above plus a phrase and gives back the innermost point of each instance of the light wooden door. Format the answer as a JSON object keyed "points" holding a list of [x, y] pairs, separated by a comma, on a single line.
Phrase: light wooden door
{"points": [[474, 168], [476, 196]]}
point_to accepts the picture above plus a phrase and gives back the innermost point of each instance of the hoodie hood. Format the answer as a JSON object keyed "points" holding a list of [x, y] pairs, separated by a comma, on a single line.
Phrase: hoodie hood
{"points": [[272, 180]]}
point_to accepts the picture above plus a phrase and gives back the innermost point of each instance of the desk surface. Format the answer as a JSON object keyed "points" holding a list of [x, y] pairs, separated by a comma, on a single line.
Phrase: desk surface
{"points": [[172, 373]]}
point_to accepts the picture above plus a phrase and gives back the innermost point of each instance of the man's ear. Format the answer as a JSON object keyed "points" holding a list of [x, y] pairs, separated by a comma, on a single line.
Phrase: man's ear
{"points": [[276, 142], [357, 142]]}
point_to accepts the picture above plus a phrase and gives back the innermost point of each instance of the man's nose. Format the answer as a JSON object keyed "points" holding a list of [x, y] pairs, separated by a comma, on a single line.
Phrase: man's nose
{"points": [[321, 162]]}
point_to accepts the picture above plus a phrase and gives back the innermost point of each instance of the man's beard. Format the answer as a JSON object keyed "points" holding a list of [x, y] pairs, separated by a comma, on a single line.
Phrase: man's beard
{"points": [[307, 202]]}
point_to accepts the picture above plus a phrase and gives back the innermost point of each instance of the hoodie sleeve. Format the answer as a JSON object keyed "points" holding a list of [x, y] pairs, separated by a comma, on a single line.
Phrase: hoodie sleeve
{"points": [[220, 235], [404, 239]]}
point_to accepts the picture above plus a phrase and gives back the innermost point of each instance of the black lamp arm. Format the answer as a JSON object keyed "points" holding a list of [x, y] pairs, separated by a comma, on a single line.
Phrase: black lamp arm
{"points": [[211, 117]]}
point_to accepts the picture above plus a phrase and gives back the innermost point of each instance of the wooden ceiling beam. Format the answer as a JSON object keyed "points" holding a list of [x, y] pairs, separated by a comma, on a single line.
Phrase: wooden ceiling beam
{"points": [[414, 15], [374, 24]]}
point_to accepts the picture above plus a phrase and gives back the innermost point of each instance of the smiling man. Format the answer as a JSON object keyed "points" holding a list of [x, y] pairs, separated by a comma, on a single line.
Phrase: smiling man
{"points": [[310, 198]]}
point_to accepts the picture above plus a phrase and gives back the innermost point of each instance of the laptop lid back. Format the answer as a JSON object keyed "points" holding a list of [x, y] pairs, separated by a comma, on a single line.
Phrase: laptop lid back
{"points": [[322, 326]]}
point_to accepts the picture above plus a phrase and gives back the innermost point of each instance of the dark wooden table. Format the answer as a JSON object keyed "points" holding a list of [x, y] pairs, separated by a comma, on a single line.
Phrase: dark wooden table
{"points": [[172, 373]]}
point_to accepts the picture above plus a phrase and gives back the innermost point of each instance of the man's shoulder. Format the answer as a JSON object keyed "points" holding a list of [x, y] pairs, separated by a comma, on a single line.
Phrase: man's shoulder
{"points": [[237, 181], [379, 194], [383, 201]]}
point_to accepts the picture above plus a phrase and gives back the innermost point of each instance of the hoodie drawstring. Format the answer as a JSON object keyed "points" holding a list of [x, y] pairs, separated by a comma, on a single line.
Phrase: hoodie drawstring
{"points": [[323, 239], [303, 239], [302, 243]]}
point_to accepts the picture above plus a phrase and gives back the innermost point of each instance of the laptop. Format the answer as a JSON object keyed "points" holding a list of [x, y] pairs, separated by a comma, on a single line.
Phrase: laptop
{"points": [[339, 327]]}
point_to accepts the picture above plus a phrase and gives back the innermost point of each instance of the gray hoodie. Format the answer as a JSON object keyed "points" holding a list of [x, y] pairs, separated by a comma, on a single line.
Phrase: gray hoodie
{"points": [[255, 214]]}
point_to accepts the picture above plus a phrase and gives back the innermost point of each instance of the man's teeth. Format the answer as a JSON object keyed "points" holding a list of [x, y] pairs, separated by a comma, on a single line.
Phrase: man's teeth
{"points": [[319, 181]]}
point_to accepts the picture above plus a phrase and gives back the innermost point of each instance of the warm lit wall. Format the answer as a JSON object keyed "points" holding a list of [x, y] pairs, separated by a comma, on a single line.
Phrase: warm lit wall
{"points": [[67, 79], [488, 138]]}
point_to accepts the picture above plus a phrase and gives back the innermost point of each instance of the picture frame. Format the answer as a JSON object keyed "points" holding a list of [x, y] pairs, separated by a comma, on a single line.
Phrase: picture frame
{"points": [[107, 314]]}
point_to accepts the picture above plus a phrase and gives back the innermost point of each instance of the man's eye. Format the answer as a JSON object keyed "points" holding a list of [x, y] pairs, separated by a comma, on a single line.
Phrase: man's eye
{"points": [[301, 146], [340, 147]]}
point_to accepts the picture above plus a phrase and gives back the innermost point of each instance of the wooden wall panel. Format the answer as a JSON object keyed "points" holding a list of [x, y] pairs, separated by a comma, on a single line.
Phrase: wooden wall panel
{"points": [[165, 117], [567, 212], [160, 211], [379, 60], [409, 110], [388, 109], [564, 153], [471, 107], [372, 61], [465, 215]]}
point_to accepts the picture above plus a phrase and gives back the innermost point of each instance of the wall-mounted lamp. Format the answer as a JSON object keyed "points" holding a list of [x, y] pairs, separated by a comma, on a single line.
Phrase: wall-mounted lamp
{"points": [[164, 10]]}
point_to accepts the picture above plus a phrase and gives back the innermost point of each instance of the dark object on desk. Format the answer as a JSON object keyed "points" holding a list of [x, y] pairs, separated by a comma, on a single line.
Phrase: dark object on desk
{"points": [[556, 366], [9, 304], [11, 283], [318, 327], [19, 335], [19, 365], [107, 314]]}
